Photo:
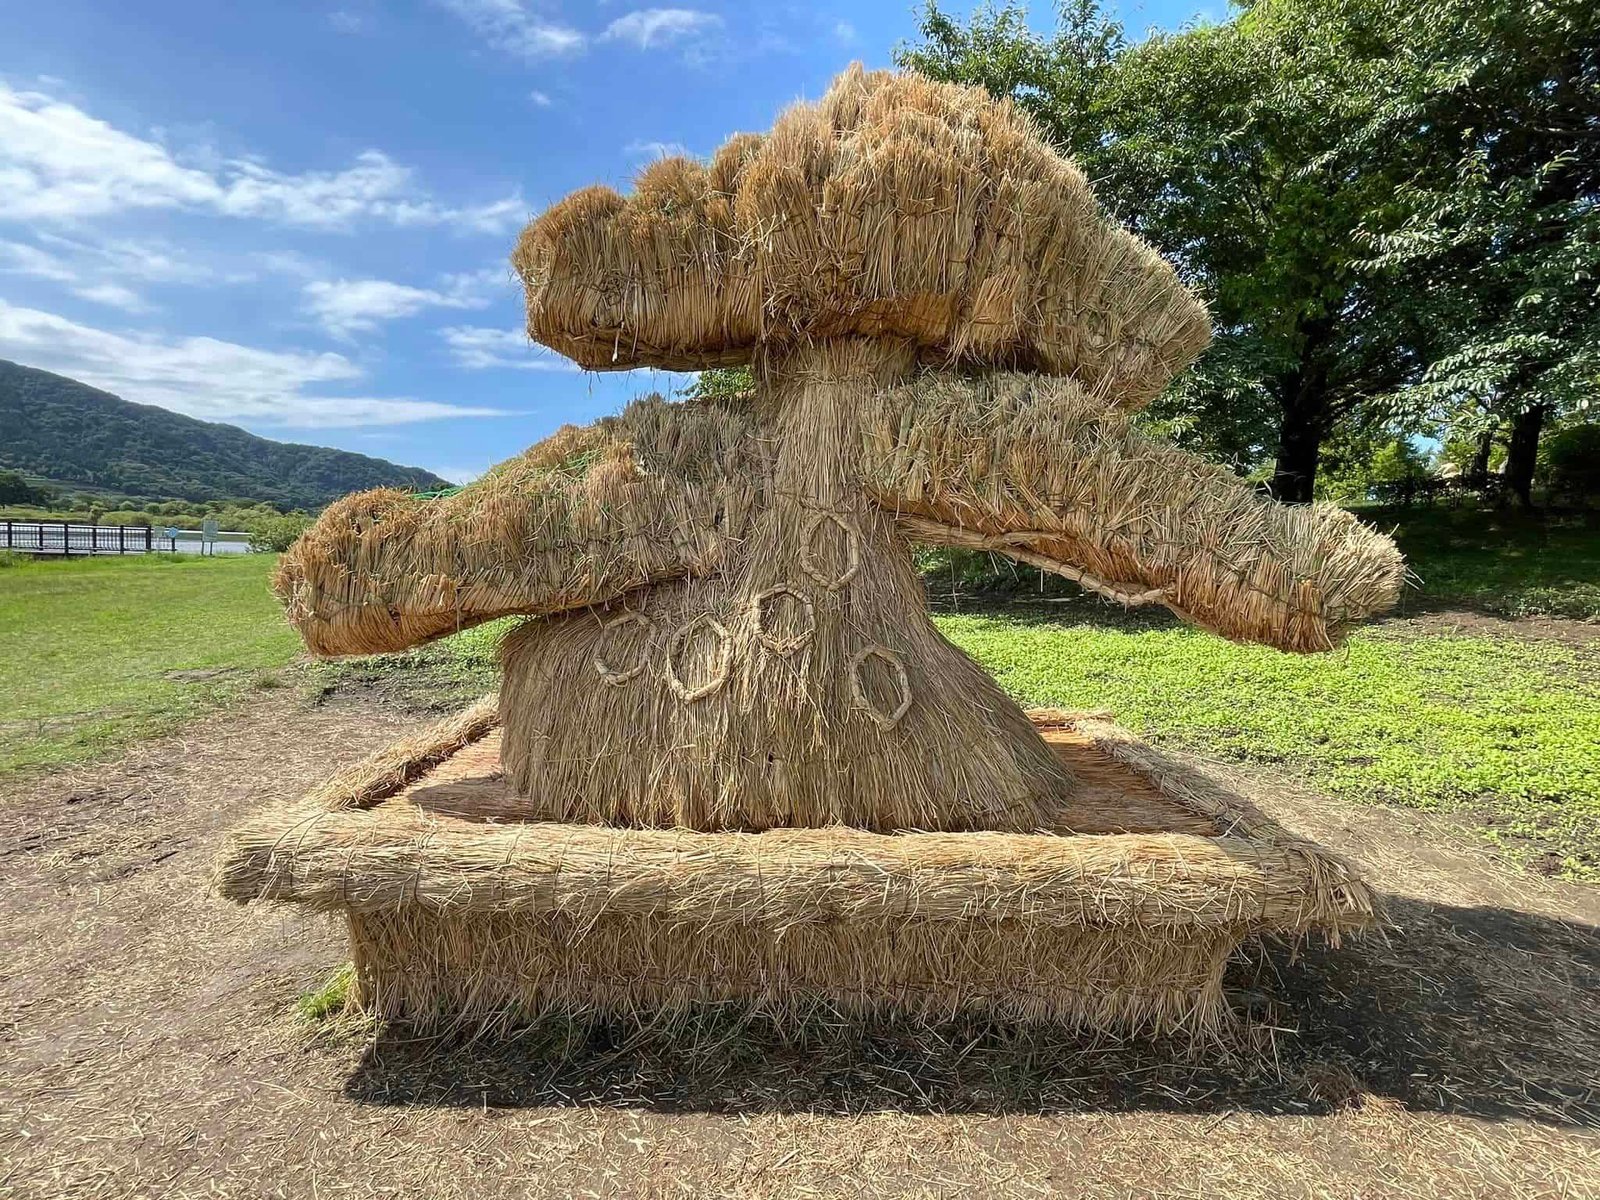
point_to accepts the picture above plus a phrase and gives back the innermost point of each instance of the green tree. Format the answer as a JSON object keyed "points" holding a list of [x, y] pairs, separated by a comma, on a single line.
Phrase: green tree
{"points": [[14, 489], [1495, 237], [720, 383], [1235, 149], [1390, 206]]}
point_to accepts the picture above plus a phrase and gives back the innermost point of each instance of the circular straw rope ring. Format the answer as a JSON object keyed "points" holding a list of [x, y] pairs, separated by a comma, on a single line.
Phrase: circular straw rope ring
{"points": [[610, 674], [724, 659], [808, 551], [784, 647], [882, 720]]}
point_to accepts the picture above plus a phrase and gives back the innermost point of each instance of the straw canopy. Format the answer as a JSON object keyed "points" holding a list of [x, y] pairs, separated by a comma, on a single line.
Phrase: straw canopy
{"points": [[1022, 465], [894, 208]]}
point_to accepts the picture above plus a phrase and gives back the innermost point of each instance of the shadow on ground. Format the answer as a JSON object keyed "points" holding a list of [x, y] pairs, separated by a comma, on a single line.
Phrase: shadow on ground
{"points": [[1481, 1012]]}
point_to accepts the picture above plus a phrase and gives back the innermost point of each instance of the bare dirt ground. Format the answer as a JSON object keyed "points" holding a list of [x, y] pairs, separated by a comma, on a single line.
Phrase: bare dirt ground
{"points": [[150, 1047]]}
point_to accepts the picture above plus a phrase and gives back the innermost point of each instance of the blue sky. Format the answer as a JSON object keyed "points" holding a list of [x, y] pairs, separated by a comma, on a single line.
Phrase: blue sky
{"points": [[295, 217]]}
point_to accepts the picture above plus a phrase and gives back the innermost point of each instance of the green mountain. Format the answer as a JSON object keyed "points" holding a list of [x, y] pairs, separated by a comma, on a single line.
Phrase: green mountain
{"points": [[75, 435]]}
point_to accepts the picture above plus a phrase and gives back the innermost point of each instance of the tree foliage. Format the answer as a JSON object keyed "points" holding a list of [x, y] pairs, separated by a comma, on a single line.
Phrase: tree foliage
{"points": [[15, 489], [1390, 206]]}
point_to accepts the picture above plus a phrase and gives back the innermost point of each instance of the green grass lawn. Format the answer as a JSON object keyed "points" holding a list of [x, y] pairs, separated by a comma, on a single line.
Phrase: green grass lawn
{"points": [[89, 648], [1499, 561], [1505, 731]]}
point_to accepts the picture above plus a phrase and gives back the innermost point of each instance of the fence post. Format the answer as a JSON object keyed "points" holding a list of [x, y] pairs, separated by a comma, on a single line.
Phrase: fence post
{"points": [[148, 532], [8, 535], [122, 539]]}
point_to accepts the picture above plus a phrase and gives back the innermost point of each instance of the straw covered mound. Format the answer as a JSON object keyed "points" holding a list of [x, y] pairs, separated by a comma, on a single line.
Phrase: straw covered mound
{"points": [[460, 912], [894, 208]]}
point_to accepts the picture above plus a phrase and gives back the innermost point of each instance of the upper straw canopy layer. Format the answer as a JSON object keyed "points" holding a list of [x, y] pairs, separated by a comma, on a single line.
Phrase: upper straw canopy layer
{"points": [[895, 207]]}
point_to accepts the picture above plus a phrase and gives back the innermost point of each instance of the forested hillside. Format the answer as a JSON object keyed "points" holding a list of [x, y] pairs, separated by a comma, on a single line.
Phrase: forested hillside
{"points": [[71, 433]]}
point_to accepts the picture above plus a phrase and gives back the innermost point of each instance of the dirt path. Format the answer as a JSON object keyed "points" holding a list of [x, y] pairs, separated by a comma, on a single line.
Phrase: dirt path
{"points": [[149, 1046]]}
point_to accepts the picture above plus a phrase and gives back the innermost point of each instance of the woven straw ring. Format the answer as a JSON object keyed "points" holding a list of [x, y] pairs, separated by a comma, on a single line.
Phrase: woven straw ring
{"points": [[808, 551], [782, 646], [883, 720], [724, 659], [612, 675]]}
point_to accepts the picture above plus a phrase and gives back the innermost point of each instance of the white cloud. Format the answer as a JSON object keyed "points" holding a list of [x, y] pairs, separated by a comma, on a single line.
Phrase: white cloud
{"points": [[476, 348], [113, 295], [345, 20], [207, 378], [509, 27], [19, 258], [643, 152], [540, 99], [845, 33], [348, 306], [651, 27], [58, 163], [102, 272]]}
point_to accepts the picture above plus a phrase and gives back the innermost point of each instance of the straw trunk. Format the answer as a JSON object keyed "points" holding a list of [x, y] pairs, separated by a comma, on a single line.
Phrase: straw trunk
{"points": [[803, 685]]}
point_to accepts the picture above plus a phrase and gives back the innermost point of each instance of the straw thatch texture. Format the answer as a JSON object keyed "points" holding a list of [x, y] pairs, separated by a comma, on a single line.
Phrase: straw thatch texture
{"points": [[801, 685], [1024, 465], [895, 208], [739, 763], [464, 914], [584, 517], [767, 636], [428, 970], [1035, 468]]}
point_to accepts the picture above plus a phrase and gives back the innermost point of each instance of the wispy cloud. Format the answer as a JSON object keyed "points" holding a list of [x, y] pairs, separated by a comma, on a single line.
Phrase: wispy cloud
{"points": [[59, 163], [644, 152], [845, 33], [476, 348], [348, 20], [345, 307], [207, 378], [110, 272], [510, 27], [539, 99], [650, 28]]}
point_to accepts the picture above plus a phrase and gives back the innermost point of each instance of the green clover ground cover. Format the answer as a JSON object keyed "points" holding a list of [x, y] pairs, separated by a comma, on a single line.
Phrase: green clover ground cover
{"points": [[1506, 731]]}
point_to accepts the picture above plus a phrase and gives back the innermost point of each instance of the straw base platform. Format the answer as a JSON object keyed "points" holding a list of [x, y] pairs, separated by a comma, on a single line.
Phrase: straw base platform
{"points": [[1123, 918]]}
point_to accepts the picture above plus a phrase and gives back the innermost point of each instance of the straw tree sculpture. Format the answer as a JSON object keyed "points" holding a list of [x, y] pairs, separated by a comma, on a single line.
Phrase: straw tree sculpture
{"points": [[732, 760], [948, 340]]}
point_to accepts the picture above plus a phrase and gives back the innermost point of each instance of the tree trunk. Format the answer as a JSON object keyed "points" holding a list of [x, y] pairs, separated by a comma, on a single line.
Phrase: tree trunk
{"points": [[1305, 419], [1522, 455], [1478, 470]]}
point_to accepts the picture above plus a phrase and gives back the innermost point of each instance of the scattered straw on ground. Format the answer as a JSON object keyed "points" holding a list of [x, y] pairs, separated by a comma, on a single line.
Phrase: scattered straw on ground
{"points": [[151, 1049]]}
